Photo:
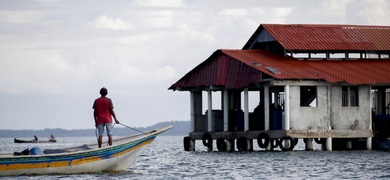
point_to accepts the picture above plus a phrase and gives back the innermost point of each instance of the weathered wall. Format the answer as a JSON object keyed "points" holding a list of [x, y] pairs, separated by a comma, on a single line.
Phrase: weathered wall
{"points": [[304, 118], [351, 118], [340, 118]]}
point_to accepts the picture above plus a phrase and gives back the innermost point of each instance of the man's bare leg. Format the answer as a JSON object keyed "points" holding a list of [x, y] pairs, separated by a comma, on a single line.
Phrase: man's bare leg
{"points": [[110, 140], [100, 141]]}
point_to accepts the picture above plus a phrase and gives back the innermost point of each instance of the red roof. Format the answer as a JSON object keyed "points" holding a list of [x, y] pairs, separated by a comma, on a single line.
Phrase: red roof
{"points": [[322, 37], [362, 71], [240, 68], [219, 70]]}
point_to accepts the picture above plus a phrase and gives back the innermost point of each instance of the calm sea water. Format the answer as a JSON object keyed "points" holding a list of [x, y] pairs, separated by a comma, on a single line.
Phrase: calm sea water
{"points": [[165, 158]]}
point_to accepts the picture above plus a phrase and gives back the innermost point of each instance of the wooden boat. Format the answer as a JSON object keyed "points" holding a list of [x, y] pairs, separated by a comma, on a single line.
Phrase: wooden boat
{"points": [[81, 159], [34, 141]]}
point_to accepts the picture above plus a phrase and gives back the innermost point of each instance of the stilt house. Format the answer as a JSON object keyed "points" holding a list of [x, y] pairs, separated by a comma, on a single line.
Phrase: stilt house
{"points": [[315, 82]]}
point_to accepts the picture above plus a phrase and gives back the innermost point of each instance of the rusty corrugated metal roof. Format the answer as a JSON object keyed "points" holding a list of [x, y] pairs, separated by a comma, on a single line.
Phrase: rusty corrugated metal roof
{"points": [[325, 37], [362, 71], [240, 68], [219, 70]]}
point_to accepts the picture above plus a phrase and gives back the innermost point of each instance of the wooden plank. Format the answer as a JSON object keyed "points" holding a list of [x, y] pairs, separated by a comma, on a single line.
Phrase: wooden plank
{"points": [[330, 133]]}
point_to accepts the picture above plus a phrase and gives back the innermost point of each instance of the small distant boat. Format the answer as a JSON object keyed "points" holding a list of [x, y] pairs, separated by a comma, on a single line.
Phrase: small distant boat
{"points": [[34, 141], [80, 159], [52, 139]]}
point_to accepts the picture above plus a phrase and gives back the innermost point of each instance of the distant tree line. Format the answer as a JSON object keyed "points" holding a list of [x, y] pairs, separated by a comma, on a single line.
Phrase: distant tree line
{"points": [[179, 128]]}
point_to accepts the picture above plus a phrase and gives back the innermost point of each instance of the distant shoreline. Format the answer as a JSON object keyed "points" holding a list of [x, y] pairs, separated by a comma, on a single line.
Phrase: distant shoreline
{"points": [[179, 128]]}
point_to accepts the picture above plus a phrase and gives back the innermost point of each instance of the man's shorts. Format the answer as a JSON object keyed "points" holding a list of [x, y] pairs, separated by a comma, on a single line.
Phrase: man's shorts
{"points": [[108, 128]]}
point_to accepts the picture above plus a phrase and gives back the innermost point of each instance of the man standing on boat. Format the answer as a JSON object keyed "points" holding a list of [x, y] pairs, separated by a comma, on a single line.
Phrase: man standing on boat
{"points": [[103, 113]]}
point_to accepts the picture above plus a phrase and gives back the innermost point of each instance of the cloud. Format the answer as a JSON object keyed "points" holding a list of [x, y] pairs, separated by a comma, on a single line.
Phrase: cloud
{"points": [[367, 12], [159, 3], [13, 16], [36, 71], [233, 12], [104, 22], [47, 1], [60, 53]]}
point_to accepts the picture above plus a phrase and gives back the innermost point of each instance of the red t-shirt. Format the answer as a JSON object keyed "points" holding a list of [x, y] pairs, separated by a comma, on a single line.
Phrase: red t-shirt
{"points": [[102, 107]]}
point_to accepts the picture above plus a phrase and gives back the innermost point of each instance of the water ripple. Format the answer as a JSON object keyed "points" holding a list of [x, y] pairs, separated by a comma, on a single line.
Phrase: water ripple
{"points": [[166, 159]]}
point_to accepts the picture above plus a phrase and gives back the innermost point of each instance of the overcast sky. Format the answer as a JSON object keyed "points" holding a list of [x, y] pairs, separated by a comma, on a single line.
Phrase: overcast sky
{"points": [[55, 55]]}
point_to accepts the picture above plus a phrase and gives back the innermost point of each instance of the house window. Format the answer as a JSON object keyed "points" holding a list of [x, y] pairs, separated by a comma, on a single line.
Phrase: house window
{"points": [[350, 96], [309, 96]]}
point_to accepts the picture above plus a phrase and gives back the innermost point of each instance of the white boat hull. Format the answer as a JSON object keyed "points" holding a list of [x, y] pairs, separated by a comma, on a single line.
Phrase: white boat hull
{"points": [[118, 157]]}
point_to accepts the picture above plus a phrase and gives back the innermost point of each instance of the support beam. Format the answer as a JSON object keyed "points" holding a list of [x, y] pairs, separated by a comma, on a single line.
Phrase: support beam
{"points": [[266, 108], [230, 145], [369, 140], [210, 109], [225, 110], [266, 113], [329, 144], [246, 110], [369, 143], [286, 107], [192, 110], [308, 144], [246, 118], [349, 144]]}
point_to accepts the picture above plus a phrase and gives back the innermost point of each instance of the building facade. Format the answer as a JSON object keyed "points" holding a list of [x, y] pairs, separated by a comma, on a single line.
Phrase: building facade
{"points": [[322, 83]]}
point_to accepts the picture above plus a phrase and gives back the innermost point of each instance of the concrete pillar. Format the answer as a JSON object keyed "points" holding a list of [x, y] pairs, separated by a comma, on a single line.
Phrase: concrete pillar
{"points": [[369, 143], [286, 119], [192, 110], [266, 108], [192, 145], [369, 140], [329, 144], [225, 110], [246, 117], [308, 144], [266, 113], [349, 144], [230, 145], [246, 110], [210, 110]]}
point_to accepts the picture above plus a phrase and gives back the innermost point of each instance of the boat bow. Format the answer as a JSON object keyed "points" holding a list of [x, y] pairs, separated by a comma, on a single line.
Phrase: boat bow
{"points": [[81, 159]]}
